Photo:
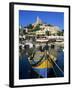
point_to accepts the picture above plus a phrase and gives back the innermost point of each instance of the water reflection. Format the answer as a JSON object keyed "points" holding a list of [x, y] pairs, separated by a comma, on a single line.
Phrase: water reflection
{"points": [[41, 61]]}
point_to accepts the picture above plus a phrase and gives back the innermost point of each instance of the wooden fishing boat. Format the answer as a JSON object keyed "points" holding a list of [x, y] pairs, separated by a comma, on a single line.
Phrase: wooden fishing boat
{"points": [[47, 67]]}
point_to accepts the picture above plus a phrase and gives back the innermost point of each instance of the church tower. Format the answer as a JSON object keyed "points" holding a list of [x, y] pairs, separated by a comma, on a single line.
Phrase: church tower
{"points": [[38, 21]]}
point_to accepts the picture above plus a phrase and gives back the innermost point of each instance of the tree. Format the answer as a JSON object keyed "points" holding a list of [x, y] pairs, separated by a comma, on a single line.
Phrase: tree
{"points": [[24, 32], [30, 26], [60, 33], [37, 28], [47, 33], [50, 25]]}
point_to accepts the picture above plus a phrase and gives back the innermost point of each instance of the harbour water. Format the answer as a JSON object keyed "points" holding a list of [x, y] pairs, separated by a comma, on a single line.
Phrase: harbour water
{"points": [[27, 71]]}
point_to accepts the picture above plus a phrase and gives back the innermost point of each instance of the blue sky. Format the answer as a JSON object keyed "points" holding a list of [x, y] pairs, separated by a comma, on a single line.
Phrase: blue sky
{"points": [[29, 17]]}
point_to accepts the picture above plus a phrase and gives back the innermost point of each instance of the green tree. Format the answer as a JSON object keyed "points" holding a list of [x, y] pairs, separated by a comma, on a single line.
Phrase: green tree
{"points": [[50, 25], [60, 33], [37, 28], [30, 26], [47, 33]]}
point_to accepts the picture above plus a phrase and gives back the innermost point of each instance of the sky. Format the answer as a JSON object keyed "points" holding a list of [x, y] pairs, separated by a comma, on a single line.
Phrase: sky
{"points": [[29, 17]]}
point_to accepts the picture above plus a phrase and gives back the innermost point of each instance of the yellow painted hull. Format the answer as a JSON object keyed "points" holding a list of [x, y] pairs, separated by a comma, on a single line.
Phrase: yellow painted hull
{"points": [[45, 64]]}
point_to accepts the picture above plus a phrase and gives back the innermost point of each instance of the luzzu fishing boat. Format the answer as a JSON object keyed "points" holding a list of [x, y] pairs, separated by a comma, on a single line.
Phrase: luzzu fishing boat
{"points": [[45, 65]]}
